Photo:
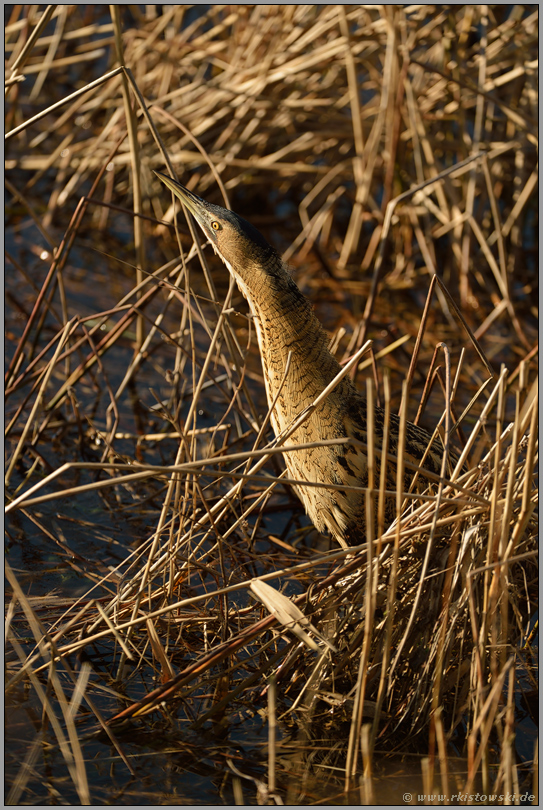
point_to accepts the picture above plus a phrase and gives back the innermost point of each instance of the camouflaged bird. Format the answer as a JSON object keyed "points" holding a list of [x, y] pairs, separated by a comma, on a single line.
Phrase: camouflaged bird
{"points": [[286, 324]]}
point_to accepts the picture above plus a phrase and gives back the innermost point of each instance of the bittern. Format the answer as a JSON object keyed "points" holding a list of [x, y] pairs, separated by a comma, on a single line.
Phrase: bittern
{"points": [[287, 326]]}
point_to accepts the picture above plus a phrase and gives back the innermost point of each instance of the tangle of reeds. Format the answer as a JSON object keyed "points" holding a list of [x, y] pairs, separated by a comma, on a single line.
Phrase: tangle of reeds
{"points": [[389, 152]]}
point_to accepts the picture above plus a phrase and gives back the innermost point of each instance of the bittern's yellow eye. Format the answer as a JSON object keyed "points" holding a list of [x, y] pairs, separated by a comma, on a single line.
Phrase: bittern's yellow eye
{"points": [[216, 225]]}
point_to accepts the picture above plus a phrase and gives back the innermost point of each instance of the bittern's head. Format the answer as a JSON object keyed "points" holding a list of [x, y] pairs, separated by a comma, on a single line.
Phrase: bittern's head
{"points": [[235, 240]]}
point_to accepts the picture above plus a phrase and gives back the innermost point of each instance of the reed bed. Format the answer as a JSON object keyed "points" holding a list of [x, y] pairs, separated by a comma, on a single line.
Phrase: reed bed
{"points": [[166, 593]]}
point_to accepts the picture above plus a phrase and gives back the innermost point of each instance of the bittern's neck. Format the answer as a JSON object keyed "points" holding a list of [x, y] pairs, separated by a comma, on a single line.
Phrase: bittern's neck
{"points": [[285, 323]]}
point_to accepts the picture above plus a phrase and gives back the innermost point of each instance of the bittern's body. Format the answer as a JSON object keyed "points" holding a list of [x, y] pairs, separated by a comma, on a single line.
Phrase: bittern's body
{"points": [[285, 324]]}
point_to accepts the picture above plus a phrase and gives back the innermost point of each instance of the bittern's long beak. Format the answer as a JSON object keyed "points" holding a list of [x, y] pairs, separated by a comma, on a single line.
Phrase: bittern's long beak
{"points": [[194, 203]]}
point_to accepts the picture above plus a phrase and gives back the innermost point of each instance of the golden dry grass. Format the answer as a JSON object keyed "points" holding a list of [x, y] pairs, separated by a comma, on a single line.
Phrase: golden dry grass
{"points": [[390, 153]]}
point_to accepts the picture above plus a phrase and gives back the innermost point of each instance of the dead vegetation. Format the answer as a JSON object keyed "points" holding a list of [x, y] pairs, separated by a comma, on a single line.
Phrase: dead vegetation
{"points": [[390, 153]]}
